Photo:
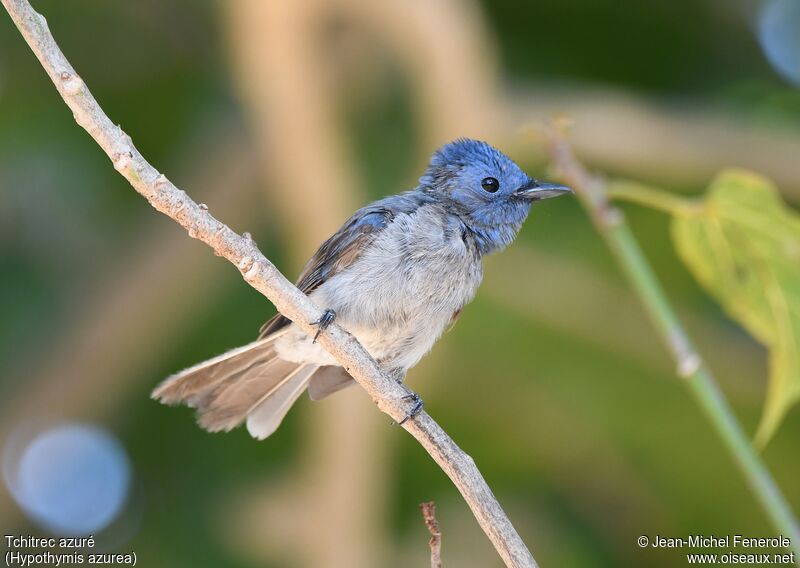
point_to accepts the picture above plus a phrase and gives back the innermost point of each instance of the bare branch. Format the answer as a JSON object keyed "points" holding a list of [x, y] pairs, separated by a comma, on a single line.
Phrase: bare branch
{"points": [[262, 275], [435, 542]]}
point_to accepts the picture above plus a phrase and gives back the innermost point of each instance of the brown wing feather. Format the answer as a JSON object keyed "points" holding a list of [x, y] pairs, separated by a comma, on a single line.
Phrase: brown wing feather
{"points": [[331, 258], [337, 253]]}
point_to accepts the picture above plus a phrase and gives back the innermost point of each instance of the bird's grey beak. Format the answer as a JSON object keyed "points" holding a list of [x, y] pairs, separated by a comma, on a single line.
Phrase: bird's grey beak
{"points": [[536, 191]]}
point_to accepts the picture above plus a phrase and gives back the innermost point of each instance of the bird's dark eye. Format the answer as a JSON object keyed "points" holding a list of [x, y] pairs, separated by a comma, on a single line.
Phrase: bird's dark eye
{"points": [[490, 185]]}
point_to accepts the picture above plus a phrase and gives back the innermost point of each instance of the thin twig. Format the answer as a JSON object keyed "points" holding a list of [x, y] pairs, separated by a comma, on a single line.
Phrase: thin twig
{"points": [[435, 542], [262, 275], [611, 224]]}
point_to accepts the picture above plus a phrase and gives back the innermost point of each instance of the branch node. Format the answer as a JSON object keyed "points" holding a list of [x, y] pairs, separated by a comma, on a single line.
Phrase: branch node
{"points": [[124, 135], [161, 181], [611, 216], [70, 83], [203, 206], [252, 272], [688, 365], [122, 160], [245, 264]]}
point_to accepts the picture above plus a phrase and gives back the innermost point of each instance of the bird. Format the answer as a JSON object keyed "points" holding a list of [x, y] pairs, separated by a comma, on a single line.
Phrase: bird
{"points": [[396, 275]]}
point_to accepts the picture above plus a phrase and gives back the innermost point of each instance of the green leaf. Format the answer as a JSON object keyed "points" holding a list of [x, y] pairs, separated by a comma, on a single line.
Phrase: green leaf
{"points": [[743, 246]]}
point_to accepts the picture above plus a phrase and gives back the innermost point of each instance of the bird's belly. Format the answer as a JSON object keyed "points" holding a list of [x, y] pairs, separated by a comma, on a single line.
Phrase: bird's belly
{"points": [[396, 305]]}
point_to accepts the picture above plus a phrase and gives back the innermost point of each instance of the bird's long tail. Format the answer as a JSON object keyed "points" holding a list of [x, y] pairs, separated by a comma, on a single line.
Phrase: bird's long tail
{"points": [[250, 383]]}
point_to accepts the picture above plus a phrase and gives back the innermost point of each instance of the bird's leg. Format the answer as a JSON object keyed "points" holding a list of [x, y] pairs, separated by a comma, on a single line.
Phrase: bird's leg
{"points": [[415, 409], [399, 374], [323, 322]]}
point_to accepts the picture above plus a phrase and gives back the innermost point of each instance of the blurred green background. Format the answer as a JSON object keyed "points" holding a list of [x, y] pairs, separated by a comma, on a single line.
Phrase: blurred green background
{"points": [[283, 118]]}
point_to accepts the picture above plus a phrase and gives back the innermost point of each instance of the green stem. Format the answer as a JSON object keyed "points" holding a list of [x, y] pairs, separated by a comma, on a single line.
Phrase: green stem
{"points": [[641, 194], [594, 193], [701, 382]]}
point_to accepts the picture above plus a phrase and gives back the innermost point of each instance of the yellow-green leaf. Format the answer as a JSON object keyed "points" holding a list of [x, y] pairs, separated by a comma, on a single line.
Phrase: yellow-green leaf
{"points": [[743, 245]]}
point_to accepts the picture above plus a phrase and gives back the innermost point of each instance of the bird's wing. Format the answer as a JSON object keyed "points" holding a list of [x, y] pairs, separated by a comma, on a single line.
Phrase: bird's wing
{"points": [[345, 246]]}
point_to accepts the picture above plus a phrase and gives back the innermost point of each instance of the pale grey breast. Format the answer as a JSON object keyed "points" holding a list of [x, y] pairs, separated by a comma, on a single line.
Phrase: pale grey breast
{"points": [[402, 292]]}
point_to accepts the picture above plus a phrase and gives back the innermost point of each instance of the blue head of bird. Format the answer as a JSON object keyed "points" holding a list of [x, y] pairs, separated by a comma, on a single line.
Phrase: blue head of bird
{"points": [[486, 189]]}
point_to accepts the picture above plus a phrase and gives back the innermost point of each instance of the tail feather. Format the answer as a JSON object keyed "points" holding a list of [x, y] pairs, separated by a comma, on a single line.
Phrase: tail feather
{"points": [[248, 383], [186, 385], [327, 380], [251, 381], [231, 402], [268, 414]]}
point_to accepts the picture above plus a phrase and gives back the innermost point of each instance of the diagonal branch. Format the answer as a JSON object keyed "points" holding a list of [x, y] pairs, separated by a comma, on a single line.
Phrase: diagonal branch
{"points": [[262, 275]]}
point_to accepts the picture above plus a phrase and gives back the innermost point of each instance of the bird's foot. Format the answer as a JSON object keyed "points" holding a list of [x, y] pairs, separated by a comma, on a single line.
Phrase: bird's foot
{"points": [[323, 322], [416, 408]]}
